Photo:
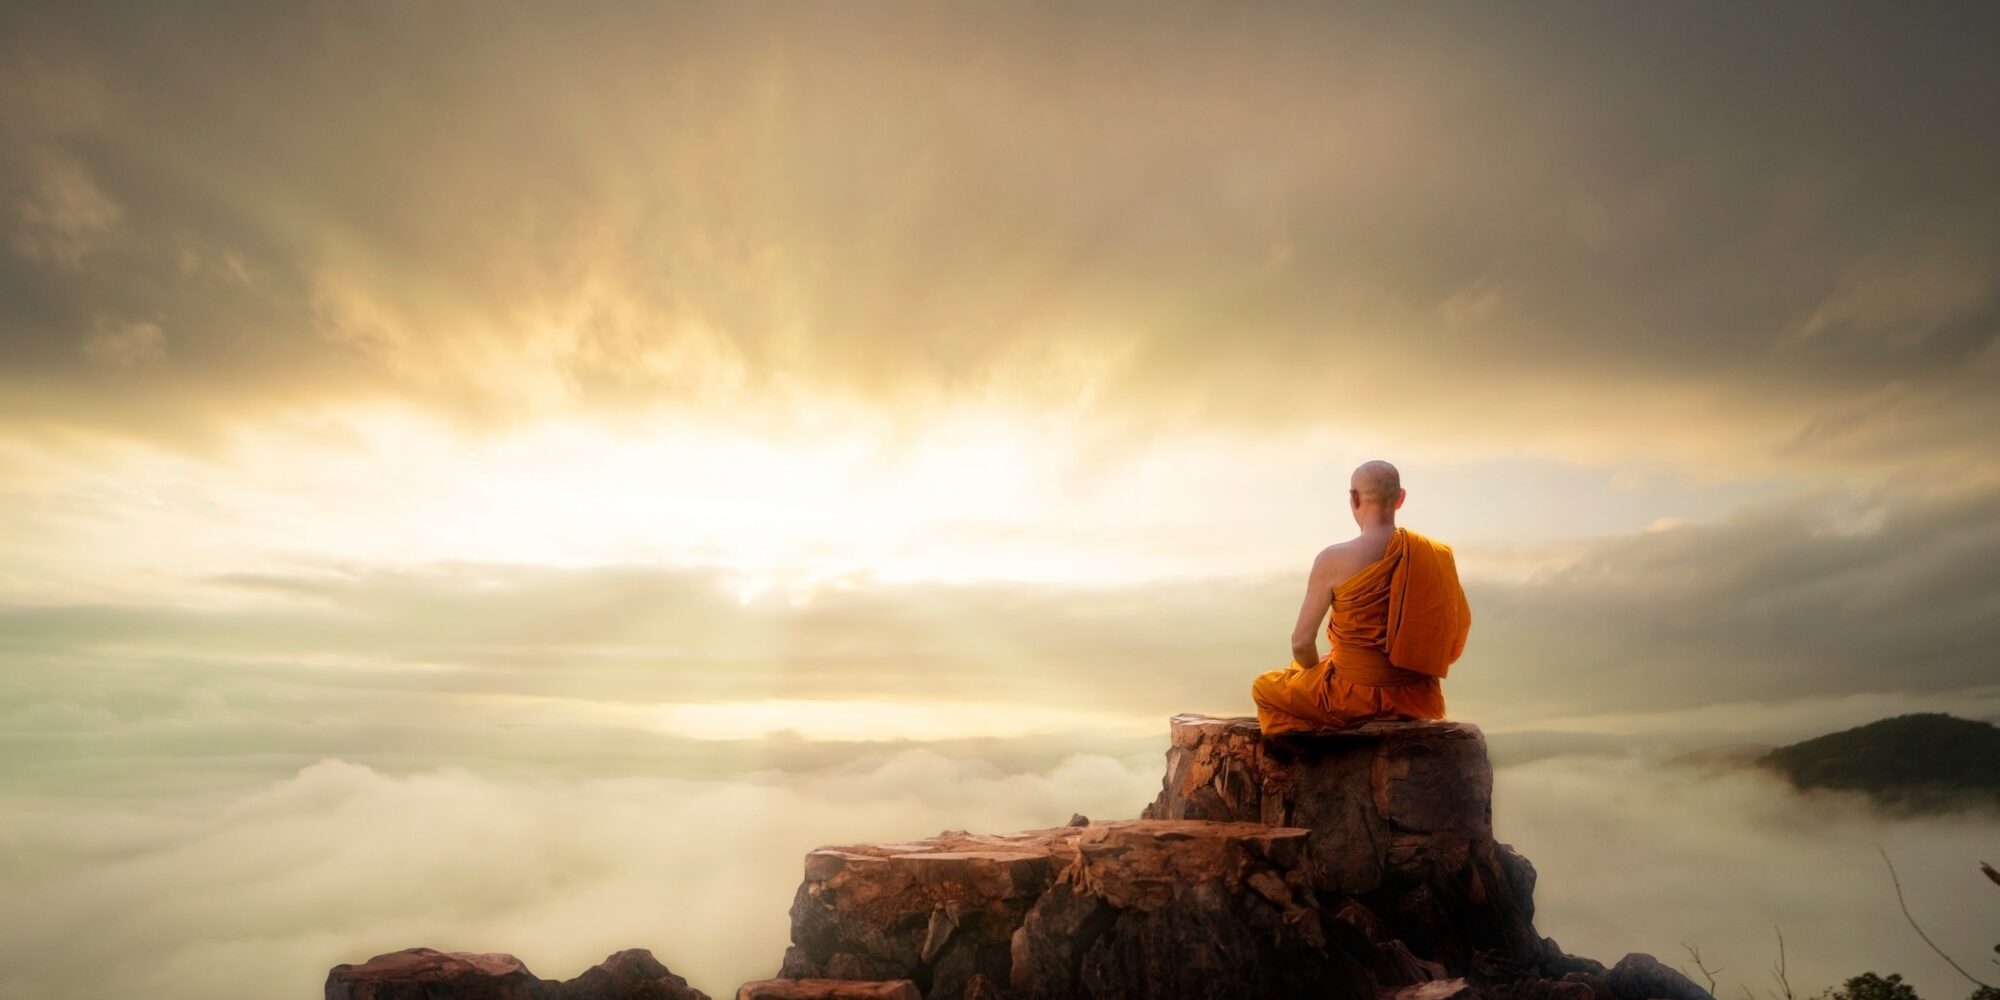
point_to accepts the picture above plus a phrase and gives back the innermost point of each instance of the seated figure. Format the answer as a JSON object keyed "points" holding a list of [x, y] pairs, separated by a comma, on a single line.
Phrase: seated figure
{"points": [[1396, 617]]}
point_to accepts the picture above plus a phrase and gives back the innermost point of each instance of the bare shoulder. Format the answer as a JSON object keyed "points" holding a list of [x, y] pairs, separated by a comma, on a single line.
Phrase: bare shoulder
{"points": [[1341, 559]]}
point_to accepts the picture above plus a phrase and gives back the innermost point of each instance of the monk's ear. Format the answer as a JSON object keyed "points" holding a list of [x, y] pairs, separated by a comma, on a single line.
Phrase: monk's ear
{"points": [[1400, 494]]}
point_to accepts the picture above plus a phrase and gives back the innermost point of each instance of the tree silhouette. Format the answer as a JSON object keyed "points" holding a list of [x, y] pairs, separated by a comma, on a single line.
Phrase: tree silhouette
{"points": [[1869, 986]]}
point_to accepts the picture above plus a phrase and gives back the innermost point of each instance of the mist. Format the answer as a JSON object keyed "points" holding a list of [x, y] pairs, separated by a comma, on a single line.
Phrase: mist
{"points": [[216, 880]]}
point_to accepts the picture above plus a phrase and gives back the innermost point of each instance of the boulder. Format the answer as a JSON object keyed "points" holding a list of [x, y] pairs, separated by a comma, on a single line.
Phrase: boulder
{"points": [[1539, 988], [1639, 976], [1124, 908], [1400, 816], [828, 989], [1533, 988], [632, 974], [1197, 910], [429, 974], [1599, 986], [426, 973], [981, 988], [1560, 963], [1379, 798], [937, 911], [1573, 966], [1440, 989]]}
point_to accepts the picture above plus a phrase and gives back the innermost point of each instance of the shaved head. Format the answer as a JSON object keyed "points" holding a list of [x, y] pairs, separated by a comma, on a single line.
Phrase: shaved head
{"points": [[1377, 482]]}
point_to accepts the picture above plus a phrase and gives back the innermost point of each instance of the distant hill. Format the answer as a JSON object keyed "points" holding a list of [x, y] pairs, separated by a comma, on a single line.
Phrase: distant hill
{"points": [[1927, 761]]}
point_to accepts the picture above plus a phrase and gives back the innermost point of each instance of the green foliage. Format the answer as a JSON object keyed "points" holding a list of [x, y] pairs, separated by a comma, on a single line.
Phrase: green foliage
{"points": [[1869, 986], [1985, 993], [1925, 761]]}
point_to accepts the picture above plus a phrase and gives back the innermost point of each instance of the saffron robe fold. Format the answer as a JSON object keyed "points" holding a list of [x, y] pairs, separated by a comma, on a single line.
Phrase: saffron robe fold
{"points": [[1396, 627]]}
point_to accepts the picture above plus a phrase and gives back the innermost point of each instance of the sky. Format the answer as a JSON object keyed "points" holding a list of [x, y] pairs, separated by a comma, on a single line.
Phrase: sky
{"points": [[472, 472]]}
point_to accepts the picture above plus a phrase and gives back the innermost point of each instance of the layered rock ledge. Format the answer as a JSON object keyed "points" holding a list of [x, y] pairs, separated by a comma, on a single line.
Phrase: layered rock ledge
{"points": [[828, 989], [939, 911], [1401, 821], [1093, 910]]}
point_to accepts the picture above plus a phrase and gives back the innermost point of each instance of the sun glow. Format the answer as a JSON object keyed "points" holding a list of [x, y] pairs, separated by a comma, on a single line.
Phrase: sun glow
{"points": [[819, 719], [875, 719], [965, 494], [782, 502]]}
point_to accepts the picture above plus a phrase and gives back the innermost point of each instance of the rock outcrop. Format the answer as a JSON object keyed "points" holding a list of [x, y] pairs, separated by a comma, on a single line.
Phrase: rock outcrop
{"points": [[828, 989], [429, 974], [1356, 864], [1401, 821], [938, 911], [1165, 908], [1640, 975], [1110, 909]]}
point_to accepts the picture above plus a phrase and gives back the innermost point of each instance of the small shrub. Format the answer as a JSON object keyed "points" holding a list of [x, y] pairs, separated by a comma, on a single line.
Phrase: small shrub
{"points": [[1869, 986]]}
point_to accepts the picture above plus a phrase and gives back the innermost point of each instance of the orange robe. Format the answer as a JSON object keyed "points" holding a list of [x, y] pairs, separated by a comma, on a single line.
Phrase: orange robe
{"points": [[1396, 627]]}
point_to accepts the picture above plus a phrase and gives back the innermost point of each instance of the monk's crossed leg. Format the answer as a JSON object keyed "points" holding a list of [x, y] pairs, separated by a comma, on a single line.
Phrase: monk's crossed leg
{"points": [[1289, 699]]}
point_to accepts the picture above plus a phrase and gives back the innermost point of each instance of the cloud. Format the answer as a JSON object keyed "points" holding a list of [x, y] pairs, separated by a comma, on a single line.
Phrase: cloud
{"points": [[1902, 303], [643, 635], [1819, 595], [210, 875], [1636, 856], [57, 209], [1249, 222], [60, 213], [127, 345], [192, 891], [1807, 596], [1645, 857]]}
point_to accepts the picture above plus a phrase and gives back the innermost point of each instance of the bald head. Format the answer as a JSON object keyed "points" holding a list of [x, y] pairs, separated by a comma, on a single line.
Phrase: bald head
{"points": [[1377, 484]]}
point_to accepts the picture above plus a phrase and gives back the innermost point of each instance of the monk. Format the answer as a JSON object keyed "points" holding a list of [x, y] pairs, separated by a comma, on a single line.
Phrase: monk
{"points": [[1399, 621]]}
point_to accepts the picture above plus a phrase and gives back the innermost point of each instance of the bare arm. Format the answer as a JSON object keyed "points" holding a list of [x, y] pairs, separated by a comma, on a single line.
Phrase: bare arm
{"points": [[1312, 613]]}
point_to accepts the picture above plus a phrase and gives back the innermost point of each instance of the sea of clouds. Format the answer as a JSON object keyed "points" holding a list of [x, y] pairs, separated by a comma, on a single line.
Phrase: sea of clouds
{"points": [[186, 876]]}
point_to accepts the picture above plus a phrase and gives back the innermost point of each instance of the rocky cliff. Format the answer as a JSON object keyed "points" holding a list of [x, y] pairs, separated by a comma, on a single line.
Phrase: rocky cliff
{"points": [[1357, 864], [428, 974]]}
